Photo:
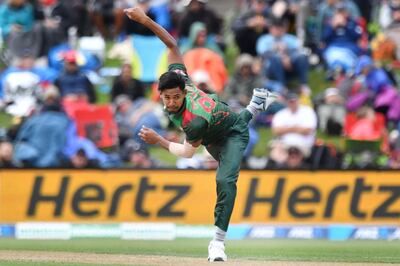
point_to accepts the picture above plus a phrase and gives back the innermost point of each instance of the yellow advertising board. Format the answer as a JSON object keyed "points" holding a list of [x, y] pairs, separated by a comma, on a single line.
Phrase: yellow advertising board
{"points": [[189, 196]]}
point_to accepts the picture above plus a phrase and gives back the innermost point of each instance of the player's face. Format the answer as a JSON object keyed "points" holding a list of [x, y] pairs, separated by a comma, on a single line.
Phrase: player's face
{"points": [[173, 99]]}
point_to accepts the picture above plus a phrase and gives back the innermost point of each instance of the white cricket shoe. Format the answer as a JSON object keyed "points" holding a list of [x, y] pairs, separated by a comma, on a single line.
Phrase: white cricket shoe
{"points": [[216, 251], [262, 98]]}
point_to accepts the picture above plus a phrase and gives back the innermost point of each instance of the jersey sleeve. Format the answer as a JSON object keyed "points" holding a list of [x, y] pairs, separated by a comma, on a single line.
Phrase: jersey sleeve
{"points": [[195, 129]]}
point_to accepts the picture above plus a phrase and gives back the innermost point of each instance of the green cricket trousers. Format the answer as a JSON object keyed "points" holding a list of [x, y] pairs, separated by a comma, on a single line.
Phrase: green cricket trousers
{"points": [[229, 154]]}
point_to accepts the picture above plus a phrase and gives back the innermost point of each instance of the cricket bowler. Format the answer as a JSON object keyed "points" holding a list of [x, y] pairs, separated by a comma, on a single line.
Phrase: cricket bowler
{"points": [[205, 121]]}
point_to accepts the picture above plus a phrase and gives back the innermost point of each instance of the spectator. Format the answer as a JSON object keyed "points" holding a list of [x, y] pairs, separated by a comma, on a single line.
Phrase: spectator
{"points": [[105, 12], [393, 30], [126, 84], [20, 85], [241, 83], [282, 55], [6, 154], [377, 88], [137, 155], [383, 48], [249, 26], [198, 37], [41, 139], [77, 151], [375, 78], [294, 126], [50, 97], [394, 160], [365, 127], [17, 28], [55, 18], [286, 157], [238, 92], [132, 115], [198, 11], [340, 41], [295, 159], [16, 16], [81, 161], [72, 83], [327, 9], [331, 113], [366, 139], [93, 155]]}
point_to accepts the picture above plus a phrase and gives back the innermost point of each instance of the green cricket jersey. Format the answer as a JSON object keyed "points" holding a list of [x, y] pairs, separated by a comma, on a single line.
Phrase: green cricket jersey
{"points": [[202, 116]]}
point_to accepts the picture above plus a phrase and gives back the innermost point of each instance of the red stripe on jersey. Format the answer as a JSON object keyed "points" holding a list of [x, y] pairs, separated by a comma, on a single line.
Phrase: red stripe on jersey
{"points": [[187, 117]]}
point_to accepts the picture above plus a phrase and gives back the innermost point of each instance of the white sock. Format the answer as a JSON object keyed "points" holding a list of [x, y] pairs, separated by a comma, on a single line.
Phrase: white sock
{"points": [[219, 235], [252, 110]]}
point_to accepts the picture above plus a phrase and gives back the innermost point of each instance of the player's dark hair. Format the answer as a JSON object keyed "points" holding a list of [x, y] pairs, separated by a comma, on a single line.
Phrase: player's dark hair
{"points": [[170, 80]]}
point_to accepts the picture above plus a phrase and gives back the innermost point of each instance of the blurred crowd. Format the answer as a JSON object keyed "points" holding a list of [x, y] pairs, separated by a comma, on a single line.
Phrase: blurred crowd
{"points": [[78, 80]]}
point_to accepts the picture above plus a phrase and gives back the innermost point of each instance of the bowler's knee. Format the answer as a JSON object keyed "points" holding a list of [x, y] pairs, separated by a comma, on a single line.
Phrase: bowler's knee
{"points": [[226, 184]]}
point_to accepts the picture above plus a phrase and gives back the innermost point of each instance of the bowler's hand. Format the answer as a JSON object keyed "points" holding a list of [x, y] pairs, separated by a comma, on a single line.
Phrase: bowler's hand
{"points": [[149, 136], [136, 14]]}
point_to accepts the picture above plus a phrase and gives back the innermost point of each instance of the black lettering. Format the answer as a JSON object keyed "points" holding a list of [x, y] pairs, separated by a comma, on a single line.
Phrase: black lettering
{"points": [[116, 197], [79, 197], [37, 197], [143, 188], [296, 198], [274, 200], [331, 199], [382, 210], [359, 189], [166, 210]]}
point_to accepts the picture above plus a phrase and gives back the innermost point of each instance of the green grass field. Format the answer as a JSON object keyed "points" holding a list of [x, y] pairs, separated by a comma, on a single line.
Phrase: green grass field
{"points": [[250, 250]]}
